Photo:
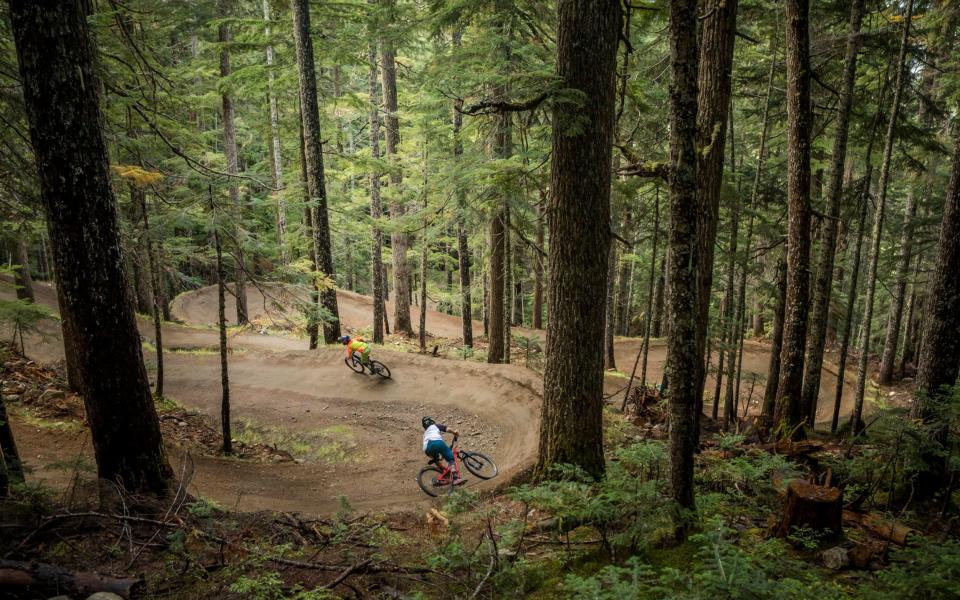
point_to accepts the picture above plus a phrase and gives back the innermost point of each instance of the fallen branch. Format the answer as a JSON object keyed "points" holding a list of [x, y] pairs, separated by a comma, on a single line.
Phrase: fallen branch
{"points": [[346, 573], [883, 528]]}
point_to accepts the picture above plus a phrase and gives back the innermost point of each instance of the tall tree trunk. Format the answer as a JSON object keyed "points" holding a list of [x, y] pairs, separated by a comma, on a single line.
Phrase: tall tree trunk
{"points": [[899, 292], [538, 267], [424, 256], [799, 125], [910, 334], [623, 279], [648, 326], [57, 56], [939, 357], [314, 159], [155, 285], [400, 240], [463, 248], [656, 326], [230, 151], [376, 209], [22, 278], [11, 467], [609, 360], [856, 418], [507, 286], [276, 163], [496, 292], [823, 287], [776, 341], [684, 356], [851, 302], [227, 444], [571, 424], [730, 323], [313, 326], [717, 36], [517, 252]]}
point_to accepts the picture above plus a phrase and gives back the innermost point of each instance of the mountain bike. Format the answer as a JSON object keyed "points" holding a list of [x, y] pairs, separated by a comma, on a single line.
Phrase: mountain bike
{"points": [[376, 367], [434, 479]]}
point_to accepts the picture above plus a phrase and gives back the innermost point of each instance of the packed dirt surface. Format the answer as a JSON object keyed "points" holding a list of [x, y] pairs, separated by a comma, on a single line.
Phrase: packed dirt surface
{"points": [[353, 435]]}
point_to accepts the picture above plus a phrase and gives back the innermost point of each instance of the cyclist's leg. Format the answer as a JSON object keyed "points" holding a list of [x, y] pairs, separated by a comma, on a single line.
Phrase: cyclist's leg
{"points": [[447, 454], [365, 356]]}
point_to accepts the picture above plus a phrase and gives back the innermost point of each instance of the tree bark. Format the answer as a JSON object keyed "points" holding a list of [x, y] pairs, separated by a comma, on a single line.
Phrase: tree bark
{"points": [[314, 159], [610, 361], [623, 279], [656, 326], [717, 36], [22, 278], [856, 417], [684, 356], [495, 293], [227, 445], [155, 285], [400, 240], [571, 425], [57, 60], [376, 208], [313, 326], [939, 357], [230, 152], [823, 287], [776, 342], [899, 293], [799, 124], [276, 163], [11, 467], [507, 285], [851, 301]]}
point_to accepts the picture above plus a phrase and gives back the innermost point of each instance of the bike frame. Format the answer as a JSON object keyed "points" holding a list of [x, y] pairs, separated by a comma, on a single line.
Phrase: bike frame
{"points": [[446, 476]]}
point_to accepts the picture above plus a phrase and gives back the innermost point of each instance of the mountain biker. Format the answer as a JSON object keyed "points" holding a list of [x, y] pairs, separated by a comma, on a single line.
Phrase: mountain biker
{"points": [[435, 447], [357, 346]]}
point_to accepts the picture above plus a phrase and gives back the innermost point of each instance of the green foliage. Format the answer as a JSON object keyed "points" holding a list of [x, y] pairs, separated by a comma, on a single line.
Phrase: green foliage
{"points": [[270, 586], [23, 317]]}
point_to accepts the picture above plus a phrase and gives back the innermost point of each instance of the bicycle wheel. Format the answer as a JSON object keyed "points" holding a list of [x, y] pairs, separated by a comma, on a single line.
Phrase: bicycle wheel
{"points": [[479, 464], [357, 367], [380, 369], [426, 477]]}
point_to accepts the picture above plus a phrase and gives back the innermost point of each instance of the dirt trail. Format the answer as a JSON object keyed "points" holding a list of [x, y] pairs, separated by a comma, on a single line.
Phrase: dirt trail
{"points": [[361, 435]]}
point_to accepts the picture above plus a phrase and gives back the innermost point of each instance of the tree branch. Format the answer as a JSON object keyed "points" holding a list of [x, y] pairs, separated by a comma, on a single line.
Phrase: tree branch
{"points": [[490, 107]]}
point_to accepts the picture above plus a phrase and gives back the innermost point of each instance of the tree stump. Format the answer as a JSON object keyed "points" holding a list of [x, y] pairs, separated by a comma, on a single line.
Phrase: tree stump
{"points": [[816, 507]]}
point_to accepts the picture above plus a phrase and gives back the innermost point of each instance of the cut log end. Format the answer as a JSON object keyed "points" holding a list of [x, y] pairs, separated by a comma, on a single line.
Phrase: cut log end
{"points": [[813, 507]]}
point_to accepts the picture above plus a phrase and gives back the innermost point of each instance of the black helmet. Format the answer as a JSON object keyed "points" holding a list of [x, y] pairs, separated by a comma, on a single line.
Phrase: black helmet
{"points": [[427, 422], [345, 339]]}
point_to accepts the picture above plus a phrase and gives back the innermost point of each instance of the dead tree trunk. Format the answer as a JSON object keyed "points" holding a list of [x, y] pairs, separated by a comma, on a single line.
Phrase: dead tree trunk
{"points": [[828, 246], [856, 417], [22, 278], [623, 279], [899, 292], [814, 507], [57, 59], [571, 425], [155, 284]]}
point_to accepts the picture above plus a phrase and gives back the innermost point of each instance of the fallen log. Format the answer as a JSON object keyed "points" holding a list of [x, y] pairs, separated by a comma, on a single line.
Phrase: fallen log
{"points": [[816, 507], [885, 529], [36, 577]]}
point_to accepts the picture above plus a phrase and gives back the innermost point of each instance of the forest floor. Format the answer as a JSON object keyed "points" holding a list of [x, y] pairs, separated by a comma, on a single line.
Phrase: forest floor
{"points": [[349, 435]]}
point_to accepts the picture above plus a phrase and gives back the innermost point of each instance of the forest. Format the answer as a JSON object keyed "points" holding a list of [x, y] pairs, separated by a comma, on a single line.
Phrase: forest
{"points": [[634, 299]]}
